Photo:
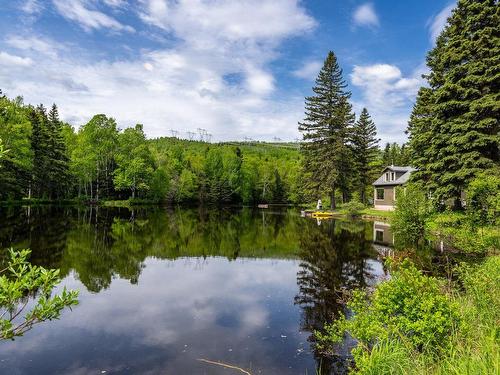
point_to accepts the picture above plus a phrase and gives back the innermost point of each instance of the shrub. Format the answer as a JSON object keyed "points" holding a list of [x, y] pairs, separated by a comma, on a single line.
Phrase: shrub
{"points": [[483, 200], [408, 307], [457, 231], [411, 324], [353, 208], [21, 281], [412, 210]]}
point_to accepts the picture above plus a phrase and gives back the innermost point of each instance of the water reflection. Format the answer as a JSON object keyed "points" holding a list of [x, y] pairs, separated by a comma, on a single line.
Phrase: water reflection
{"points": [[162, 288]]}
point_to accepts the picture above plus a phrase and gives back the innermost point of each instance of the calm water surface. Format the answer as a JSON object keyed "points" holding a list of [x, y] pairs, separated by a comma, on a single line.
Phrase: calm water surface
{"points": [[161, 289]]}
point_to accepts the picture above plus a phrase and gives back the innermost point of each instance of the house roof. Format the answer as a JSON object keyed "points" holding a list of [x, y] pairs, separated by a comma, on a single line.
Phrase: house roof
{"points": [[398, 181]]}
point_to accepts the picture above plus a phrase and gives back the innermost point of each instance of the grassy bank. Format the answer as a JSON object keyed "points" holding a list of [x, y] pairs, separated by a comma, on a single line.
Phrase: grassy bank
{"points": [[457, 231], [417, 324]]}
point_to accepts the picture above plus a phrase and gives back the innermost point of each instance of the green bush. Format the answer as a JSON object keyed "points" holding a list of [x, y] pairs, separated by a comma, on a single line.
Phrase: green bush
{"points": [[411, 324], [457, 231], [483, 200], [21, 281], [353, 208], [412, 210], [409, 306]]}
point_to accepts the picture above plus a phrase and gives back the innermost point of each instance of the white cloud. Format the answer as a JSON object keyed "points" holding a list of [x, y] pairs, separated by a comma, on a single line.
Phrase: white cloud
{"points": [[388, 95], [88, 19], [115, 3], [183, 87], [309, 70], [438, 22], [34, 44], [365, 15], [8, 60], [31, 7], [202, 22]]}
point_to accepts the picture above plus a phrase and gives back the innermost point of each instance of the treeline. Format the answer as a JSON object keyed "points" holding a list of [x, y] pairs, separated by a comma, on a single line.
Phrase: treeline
{"points": [[48, 159]]}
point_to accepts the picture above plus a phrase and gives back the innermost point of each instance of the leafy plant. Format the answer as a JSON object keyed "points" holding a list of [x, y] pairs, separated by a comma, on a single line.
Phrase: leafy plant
{"points": [[412, 210], [353, 208], [412, 324], [23, 284], [483, 200]]}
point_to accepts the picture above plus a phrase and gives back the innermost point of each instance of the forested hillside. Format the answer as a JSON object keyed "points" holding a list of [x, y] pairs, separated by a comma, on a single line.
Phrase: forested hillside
{"points": [[49, 159]]}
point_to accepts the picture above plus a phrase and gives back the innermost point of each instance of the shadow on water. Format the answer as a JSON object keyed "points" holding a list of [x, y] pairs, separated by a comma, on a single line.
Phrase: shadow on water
{"points": [[263, 280]]}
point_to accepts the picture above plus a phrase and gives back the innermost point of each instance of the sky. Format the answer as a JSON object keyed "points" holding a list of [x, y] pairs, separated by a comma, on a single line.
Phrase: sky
{"points": [[238, 69]]}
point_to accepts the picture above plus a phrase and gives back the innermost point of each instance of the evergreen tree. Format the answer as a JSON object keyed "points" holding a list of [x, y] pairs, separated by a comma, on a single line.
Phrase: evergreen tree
{"points": [[365, 150], [40, 145], [278, 190], [59, 168], [326, 127], [454, 126]]}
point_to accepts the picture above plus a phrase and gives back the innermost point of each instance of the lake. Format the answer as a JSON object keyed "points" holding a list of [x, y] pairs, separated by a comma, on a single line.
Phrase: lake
{"points": [[163, 291]]}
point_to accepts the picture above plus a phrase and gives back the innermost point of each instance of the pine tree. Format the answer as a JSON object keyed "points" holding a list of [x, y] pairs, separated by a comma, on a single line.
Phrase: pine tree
{"points": [[454, 126], [365, 150], [59, 168], [40, 146], [326, 127]]}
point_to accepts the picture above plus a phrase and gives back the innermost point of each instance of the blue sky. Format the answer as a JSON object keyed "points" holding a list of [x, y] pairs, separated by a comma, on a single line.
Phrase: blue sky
{"points": [[237, 68]]}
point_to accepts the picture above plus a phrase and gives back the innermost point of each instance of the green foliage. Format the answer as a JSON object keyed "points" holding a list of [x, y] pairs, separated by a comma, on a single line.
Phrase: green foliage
{"points": [[353, 208], [134, 162], [327, 126], [17, 164], [394, 154], [412, 324], [409, 218], [457, 231], [453, 130], [365, 151], [2, 150], [483, 200], [21, 282]]}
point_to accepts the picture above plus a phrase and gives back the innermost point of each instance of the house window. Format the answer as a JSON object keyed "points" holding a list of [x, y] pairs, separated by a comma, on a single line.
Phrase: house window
{"points": [[379, 235], [387, 176], [393, 175], [380, 194]]}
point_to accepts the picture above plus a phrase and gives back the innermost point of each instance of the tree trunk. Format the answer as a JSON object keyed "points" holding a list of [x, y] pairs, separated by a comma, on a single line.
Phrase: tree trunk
{"points": [[333, 206], [97, 183]]}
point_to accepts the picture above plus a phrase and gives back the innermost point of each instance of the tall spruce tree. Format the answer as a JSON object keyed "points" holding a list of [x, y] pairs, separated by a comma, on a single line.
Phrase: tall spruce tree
{"points": [[40, 144], [325, 129], [454, 127], [59, 163], [365, 150]]}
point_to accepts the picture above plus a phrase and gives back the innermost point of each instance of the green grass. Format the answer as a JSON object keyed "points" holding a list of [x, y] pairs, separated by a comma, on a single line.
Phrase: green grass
{"points": [[468, 346]]}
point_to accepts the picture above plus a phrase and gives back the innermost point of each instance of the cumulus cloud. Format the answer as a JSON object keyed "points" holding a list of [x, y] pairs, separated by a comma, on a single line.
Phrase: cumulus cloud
{"points": [[388, 95], [183, 86], [438, 22], [365, 15], [7, 60], [88, 19], [203, 22], [309, 70]]}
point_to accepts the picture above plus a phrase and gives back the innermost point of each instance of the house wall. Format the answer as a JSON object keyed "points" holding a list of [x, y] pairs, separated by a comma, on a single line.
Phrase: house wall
{"points": [[382, 233], [388, 202]]}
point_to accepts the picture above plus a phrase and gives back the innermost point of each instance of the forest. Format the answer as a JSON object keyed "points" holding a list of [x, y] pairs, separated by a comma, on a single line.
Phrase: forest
{"points": [[48, 159]]}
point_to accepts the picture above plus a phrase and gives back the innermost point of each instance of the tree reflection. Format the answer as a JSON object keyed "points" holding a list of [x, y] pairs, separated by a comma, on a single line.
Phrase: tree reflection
{"points": [[99, 244], [334, 258]]}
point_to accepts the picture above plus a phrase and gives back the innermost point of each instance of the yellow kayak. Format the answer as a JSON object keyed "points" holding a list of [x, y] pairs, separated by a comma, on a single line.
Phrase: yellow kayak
{"points": [[319, 214]]}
